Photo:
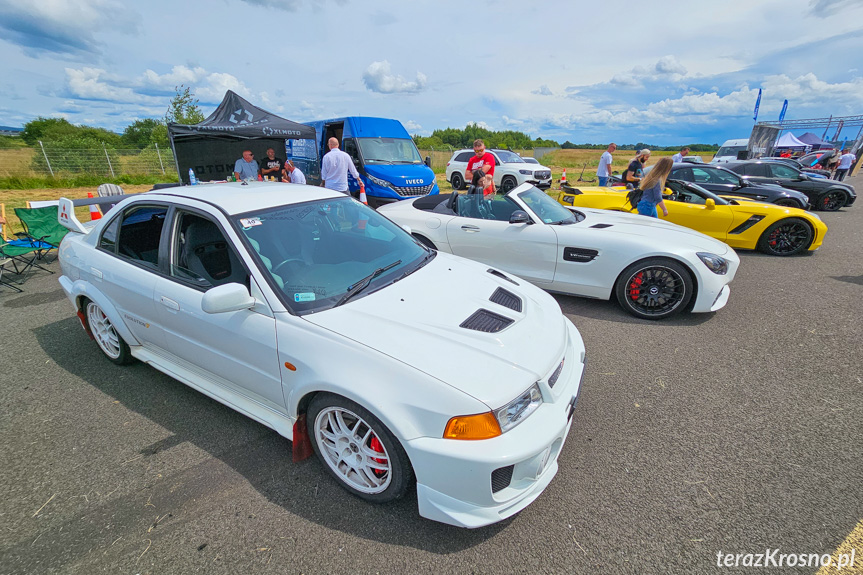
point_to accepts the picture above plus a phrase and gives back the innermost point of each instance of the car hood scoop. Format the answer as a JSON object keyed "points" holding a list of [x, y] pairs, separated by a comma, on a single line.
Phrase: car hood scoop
{"points": [[420, 321]]}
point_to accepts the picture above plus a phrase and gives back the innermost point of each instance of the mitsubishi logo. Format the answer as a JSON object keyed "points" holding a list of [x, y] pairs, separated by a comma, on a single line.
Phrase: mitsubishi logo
{"points": [[236, 114]]}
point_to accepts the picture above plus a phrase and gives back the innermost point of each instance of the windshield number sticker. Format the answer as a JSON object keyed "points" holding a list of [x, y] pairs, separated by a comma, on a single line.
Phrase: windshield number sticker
{"points": [[299, 297], [249, 223]]}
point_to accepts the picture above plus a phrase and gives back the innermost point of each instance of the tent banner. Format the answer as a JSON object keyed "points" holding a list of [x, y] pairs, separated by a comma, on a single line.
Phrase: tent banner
{"points": [[761, 141]]}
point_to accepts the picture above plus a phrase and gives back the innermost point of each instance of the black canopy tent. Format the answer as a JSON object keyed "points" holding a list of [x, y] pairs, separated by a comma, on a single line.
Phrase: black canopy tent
{"points": [[212, 147]]}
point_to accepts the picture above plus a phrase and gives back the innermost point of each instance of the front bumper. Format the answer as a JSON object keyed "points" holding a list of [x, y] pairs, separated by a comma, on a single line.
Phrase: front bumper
{"points": [[454, 478], [713, 289]]}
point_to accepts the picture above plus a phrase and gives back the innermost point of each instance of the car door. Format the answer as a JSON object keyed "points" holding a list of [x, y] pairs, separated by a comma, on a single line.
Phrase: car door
{"points": [[788, 177], [125, 268], [235, 349], [755, 173], [481, 231], [686, 207]]}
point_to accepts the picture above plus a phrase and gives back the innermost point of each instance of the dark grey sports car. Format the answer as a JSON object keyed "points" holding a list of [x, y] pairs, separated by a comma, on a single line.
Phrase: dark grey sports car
{"points": [[827, 195]]}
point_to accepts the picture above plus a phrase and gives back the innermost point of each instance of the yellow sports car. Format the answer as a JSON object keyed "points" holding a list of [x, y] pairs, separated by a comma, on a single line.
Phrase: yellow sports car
{"points": [[739, 222]]}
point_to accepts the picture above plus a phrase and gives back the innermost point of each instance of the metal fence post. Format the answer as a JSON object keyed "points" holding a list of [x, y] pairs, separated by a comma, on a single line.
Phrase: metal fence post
{"points": [[158, 153], [46, 158], [109, 160]]}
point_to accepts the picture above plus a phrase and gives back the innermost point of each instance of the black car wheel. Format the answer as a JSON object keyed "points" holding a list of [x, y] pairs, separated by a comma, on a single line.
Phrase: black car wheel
{"points": [[832, 201], [457, 181], [507, 184], [654, 288], [786, 238]]}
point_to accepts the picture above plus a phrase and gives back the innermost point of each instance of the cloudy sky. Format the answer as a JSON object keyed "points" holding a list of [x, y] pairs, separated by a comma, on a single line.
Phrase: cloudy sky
{"points": [[585, 72]]}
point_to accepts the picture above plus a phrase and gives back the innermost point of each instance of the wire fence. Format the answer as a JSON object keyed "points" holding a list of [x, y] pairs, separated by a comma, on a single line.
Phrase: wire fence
{"points": [[46, 160]]}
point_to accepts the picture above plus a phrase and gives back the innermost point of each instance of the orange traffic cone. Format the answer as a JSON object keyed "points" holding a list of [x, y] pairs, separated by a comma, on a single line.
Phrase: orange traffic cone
{"points": [[363, 219], [563, 177], [363, 198], [95, 214]]}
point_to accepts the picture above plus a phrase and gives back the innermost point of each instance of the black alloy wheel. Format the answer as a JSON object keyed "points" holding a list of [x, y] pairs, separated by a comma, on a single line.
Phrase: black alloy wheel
{"points": [[786, 237], [457, 181], [507, 184], [832, 201], [654, 288]]}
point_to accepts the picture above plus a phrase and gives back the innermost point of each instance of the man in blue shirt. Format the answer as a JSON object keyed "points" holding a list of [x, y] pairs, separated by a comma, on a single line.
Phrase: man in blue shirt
{"points": [[246, 168], [335, 168]]}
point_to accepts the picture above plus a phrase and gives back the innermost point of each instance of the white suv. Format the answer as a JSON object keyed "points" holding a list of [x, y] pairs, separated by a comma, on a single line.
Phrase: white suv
{"points": [[510, 170]]}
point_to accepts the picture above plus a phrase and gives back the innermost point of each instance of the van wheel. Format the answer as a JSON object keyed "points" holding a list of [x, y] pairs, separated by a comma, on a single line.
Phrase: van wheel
{"points": [[457, 181]]}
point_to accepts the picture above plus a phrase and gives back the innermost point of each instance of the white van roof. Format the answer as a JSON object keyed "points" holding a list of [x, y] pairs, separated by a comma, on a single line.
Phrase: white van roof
{"points": [[737, 142]]}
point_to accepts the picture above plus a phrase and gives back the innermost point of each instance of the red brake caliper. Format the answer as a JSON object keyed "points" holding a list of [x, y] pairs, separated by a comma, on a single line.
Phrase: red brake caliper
{"points": [[635, 286], [375, 445]]}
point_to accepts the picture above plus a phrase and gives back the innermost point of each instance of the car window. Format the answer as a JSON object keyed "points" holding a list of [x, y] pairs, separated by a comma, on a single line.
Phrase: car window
{"points": [[463, 157], [108, 241], [783, 171], [546, 209], [349, 145], [720, 176], [493, 207], [757, 170], [682, 174], [508, 157], [201, 256], [702, 176], [139, 235]]}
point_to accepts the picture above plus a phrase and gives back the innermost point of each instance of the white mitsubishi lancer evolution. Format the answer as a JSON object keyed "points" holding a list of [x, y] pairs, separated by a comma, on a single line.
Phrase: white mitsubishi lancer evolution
{"points": [[318, 317]]}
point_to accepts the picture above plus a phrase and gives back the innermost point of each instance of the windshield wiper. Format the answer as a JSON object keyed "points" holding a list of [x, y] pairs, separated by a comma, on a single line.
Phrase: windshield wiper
{"points": [[364, 283], [378, 160]]}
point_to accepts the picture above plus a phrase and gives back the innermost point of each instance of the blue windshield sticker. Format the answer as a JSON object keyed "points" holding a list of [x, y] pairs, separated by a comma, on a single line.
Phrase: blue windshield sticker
{"points": [[298, 297]]}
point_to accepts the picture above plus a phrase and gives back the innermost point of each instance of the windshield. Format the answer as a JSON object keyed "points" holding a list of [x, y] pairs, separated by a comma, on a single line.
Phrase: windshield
{"points": [[314, 252], [389, 151], [690, 193], [729, 151], [509, 157], [546, 209]]}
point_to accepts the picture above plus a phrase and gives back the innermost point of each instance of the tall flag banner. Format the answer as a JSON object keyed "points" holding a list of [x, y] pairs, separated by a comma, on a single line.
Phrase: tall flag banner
{"points": [[757, 103], [845, 141], [784, 109]]}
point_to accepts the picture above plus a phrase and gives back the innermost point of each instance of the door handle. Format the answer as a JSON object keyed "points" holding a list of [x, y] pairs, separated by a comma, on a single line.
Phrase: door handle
{"points": [[169, 303], [470, 228]]}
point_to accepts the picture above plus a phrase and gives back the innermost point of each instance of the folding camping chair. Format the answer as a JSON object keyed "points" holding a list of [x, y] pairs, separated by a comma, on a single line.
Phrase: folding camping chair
{"points": [[15, 254], [42, 230], [105, 190]]}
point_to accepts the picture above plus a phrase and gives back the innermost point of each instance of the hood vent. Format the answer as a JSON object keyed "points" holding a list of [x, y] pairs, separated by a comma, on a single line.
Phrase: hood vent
{"points": [[506, 299], [600, 226], [486, 321], [501, 275]]}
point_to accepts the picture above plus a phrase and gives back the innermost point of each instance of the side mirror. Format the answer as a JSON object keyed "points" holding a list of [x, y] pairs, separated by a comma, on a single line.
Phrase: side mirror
{"points": [[519, 217], [228, 297], [710, 204], [427, 161]]}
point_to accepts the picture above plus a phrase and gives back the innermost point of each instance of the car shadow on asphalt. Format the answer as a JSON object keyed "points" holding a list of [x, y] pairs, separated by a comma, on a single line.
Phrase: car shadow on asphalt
{"points": [[608, 310], [258, 454]]}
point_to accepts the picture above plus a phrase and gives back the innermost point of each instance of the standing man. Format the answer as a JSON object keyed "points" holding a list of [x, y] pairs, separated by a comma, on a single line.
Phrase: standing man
{"points": [[335, 168], [603, 172], [271, 167], [846, 160], [246, 168], [678, 157], [635, 170], [292, 174], [482, 160]]}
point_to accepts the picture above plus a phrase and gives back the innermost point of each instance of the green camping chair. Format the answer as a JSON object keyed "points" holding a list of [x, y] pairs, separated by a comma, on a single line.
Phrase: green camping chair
{"points": [[41, 229], [24, 255], [3, 261]]}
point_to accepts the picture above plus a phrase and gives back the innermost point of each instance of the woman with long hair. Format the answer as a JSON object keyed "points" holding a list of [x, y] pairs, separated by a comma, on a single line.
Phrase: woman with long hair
{"points": [[652, 186]]}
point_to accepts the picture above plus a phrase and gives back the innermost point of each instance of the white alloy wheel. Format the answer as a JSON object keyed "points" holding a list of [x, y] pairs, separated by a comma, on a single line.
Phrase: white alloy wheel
{"points": [[103, 330], [352, 450]]}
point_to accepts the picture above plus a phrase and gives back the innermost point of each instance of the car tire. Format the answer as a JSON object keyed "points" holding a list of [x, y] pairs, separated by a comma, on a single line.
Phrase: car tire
{"points": [[787, 237], [425, 241], [457, 181], [507, 184], [103, 331], [832, 201], [346, 437], [654, 288]]}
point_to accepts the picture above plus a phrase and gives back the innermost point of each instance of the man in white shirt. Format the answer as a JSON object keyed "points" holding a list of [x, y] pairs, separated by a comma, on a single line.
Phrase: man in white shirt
{"points": [[603, 172], [678, 157], [293, 174], [335, 168], [846, 160]]}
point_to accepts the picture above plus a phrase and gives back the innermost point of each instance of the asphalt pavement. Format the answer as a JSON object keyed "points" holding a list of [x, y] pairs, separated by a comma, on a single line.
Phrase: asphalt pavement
{"points": [[730, 432]]}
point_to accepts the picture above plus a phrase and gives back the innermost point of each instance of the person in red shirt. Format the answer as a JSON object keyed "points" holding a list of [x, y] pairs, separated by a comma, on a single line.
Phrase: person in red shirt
{"points": [[481, 161]]}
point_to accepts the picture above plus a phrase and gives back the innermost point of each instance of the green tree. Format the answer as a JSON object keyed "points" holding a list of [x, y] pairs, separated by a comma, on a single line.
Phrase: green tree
{"points": [[139, 134], [44, 128], [183, 108]]}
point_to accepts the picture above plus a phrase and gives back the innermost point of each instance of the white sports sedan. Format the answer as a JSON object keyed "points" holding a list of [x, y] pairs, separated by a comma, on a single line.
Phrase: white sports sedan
{"points": [[321, 319], [654, 268]]}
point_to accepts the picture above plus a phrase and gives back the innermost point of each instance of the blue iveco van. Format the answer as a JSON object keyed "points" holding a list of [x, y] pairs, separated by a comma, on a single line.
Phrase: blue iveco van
{"points": [[383, 152]]}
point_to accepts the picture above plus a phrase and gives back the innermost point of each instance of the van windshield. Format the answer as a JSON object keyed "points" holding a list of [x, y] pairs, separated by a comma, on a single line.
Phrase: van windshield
{"points": [[729, 151], [389, 151]]}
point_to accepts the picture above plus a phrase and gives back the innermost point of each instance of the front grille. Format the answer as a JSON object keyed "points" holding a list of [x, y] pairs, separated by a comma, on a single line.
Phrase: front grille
{"points": [[542, 174], [506, 299], [554, 376], [413, 190], [486, 321], [501, 478]]}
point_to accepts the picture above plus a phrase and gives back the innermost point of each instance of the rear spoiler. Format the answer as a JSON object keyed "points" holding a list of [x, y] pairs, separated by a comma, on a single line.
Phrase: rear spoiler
{"points": [[66, 210]]}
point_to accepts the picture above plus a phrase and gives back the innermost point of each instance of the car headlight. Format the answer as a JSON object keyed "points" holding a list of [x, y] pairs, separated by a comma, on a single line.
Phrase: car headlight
{"points": [[525, 172], [378, 181], [519, 408], [714, 263]]}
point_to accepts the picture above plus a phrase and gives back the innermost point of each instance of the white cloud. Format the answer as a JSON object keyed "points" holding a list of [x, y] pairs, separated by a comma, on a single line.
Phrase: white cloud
{"points": [[96, 84], [666, 69], [542, 91], [178, 75], [825, 8], [412, 127], [379, 78]]}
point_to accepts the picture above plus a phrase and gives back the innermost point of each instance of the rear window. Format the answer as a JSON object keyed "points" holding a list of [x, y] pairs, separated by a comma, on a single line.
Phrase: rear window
{"points": [[463, 157]]}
